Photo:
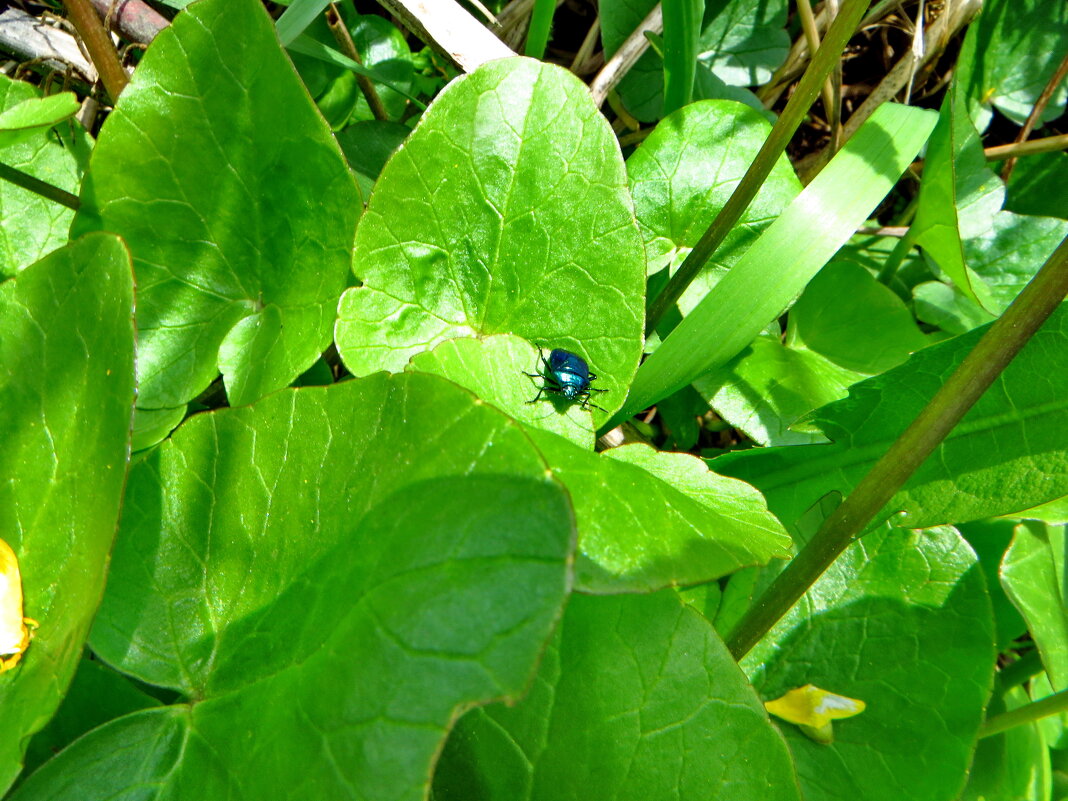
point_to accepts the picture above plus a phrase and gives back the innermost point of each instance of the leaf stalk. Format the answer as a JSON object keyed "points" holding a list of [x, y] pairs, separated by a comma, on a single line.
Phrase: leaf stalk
{"points": [[1028, 713]]}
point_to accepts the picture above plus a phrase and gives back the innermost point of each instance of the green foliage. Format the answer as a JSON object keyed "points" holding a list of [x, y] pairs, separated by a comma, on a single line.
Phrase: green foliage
{"points": [[362, 555]]}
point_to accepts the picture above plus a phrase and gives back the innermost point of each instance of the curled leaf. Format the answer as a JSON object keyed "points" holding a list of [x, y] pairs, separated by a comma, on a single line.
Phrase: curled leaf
{"points": [[15, 630]]}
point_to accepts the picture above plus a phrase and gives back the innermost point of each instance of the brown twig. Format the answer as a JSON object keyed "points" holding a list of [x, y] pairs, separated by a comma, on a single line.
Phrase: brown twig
{"points": [[1036, 113], [101, 49], [348, 47], [133, 19]]}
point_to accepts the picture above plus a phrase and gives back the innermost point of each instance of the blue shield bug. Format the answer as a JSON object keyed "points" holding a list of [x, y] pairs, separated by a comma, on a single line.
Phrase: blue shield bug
{"points": [[566, 374]]}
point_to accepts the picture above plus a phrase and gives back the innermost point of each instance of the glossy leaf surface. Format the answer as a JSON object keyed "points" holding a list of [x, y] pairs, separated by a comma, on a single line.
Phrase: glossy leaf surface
{"points": [[66, 388], [648, 519], [33, 225], [491, 220], [218, 171], [336, 600]]}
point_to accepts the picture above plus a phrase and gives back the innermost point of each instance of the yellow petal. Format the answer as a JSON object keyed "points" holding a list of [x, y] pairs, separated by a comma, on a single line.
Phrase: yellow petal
{"points": [[813, 707], [15, 630]]}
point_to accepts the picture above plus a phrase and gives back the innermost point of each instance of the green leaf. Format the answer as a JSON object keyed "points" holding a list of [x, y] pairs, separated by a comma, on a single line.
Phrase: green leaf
{"points": [[769, 386], [236, 202], [541, 20], [787, 255], [152, 425], [1008, 254], [489, 220], [1013, 765], [648, 519], [742, 42], [33, 225], [948, 308], [96, 695], [853, 320], [66, 388], [494, 369], [1032, 574], [395, 552], [368, 146], [1054, 728], [1010, 452], [1008, 56], [19, 122], [990, 539], [1037, 186], [683, 174], [637, 698], [959, 195], [902, 622], [386, 59]]}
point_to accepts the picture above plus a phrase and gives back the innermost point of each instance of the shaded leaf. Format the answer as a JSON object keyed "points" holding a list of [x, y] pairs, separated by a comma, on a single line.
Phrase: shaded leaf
{"points": [[787, 255], [1008, 56], [769, 386], [854, 321], [33, 225], [1032, 574], [1013, 765], [902, 621], [637, 698], [742, 43], [682, 175], [959, 195]]}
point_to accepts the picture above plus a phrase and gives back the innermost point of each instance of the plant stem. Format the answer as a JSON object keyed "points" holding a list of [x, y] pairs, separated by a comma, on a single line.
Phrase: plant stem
{"points": [[1036, 111], [1047, 144], [1028, 713], [99, 44], [804, 95], [1024, 668], [19, 178], [998, 346], [348, 47]]}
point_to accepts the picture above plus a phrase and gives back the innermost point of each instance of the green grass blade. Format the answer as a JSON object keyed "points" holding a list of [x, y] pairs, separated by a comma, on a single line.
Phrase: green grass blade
{"points": [[682, 29], [307, 46], [297, 17], [789, 253], [541, 20]]}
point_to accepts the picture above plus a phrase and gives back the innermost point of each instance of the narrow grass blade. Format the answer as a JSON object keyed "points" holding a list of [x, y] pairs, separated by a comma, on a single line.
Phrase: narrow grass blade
{"points": [[789, 253]]}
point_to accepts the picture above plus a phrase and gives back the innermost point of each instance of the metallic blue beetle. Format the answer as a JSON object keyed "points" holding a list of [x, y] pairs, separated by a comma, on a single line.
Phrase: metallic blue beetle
{"points": [[568, 375]]}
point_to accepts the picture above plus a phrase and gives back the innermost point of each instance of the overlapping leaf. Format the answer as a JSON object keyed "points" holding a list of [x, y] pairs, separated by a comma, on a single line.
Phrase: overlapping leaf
{"points": [[235, 201], [33, 225], [66, 388], [902, 622], [333, 572], [1010, 452], [637, 698], [506, 211], [683, 174], [1032, 574]]}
